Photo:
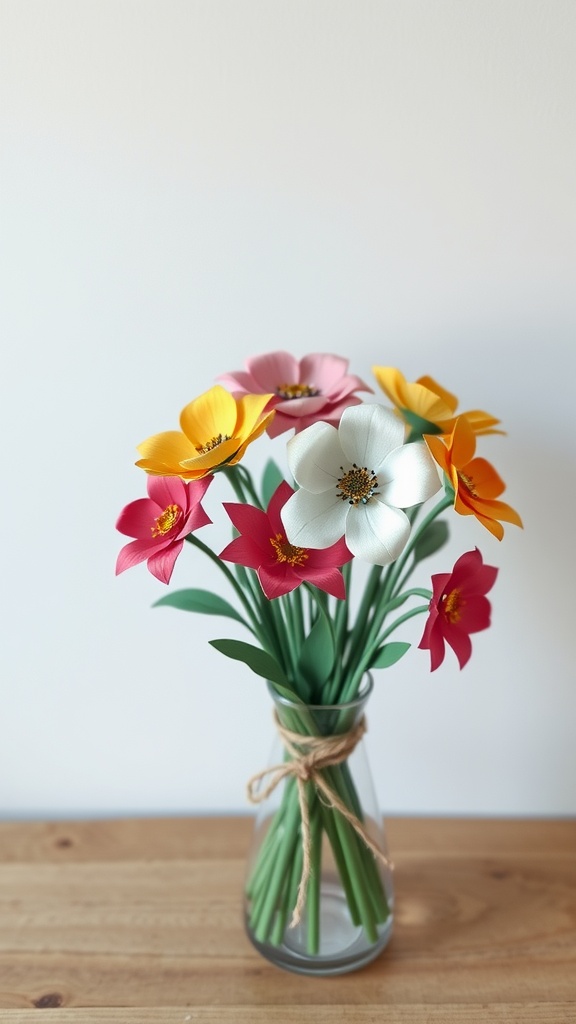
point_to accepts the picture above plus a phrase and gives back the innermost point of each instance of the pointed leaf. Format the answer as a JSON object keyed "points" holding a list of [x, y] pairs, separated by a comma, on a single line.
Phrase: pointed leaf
{"points": [[262, 663], [389, 654], [201, 601], [271, 478], [318, 653], [431, 540], [288, 694]]}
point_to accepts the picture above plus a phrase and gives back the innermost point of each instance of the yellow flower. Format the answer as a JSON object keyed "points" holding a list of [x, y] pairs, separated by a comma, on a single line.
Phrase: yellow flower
{"points": [[426, 406], [216, 430]]}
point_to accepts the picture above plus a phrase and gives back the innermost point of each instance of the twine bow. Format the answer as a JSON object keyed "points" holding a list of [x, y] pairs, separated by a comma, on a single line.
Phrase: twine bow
{"points": [[309, 755]]}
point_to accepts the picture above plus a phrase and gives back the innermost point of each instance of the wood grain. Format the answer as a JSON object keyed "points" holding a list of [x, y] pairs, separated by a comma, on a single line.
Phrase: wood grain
{"points": [[552, 1013], [141, 920]]}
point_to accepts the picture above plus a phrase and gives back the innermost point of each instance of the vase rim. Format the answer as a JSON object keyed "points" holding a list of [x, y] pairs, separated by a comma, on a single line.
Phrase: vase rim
{"points": [[364, 692]]}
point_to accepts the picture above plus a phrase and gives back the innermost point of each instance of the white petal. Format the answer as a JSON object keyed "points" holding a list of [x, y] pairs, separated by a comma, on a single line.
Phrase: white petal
{"points": [[314, 520], [376, 533], [368, 433], [315, 457], [408, 476]]}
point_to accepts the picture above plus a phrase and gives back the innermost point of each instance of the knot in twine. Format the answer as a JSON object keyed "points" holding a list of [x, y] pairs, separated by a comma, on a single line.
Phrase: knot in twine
{"points": [[309, 755]]}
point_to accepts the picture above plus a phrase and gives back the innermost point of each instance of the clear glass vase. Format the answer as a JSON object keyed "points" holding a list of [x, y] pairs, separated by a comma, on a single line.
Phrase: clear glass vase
{"points": [[319, 893]]}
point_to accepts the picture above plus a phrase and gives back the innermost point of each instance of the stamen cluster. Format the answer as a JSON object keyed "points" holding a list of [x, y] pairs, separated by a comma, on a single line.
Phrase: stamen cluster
{"points": [[357, 485], [164, 523], [289, 391], [212, 443], [286, 552]]}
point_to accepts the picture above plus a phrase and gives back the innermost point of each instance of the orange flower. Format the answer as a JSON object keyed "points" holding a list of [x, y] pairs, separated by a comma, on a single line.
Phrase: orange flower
{"points": [[476, 483], [426, 406]]}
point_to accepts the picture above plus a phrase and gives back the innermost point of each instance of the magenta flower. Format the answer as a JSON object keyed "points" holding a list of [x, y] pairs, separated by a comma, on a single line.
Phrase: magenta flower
{"points": [[160, 523], [281, 567], [316, 387], [459, 606]]}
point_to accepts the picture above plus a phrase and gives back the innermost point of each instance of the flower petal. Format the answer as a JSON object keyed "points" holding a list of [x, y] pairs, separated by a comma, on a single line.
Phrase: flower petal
{"points": [[314, 520], [424, 397], [137, 551], [244, 551], [163, 453], [471, 576], [485, 480], [322, 371], [433, 639], [282, 580], [195, 519], [315, 458], [168, 490], [161, 563], [238, 381], [276, 504], [462, 443], [273, 369], [376, 532], [475, 613], [459, 642], [206, 417], [137, 518], [368, 433], [450, 400], [440, 452], [199, 464], [247, 519], [330, 580], [336, 555], [408, 476]]}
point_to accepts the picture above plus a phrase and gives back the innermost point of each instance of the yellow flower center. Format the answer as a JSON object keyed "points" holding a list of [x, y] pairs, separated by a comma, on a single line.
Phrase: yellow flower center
{"points": [[290, 391], [164, 523], [286, 552], [358, 485], [468, 484], [211, 444], [451, 605]]}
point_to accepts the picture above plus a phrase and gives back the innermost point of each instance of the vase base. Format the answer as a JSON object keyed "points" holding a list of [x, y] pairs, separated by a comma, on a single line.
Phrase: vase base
{"points": [[343, 946]]}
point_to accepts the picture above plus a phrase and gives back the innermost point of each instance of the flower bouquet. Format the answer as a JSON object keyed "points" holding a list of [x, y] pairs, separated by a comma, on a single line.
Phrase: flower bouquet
{"points": [[367, 482]]}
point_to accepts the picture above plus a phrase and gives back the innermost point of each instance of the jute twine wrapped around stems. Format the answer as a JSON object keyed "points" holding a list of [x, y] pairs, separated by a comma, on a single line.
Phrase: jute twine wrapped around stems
{"points": [[309, 755]]}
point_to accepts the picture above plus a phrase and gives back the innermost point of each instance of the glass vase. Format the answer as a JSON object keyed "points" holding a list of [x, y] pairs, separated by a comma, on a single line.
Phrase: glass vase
{"points": [[319, 892]]}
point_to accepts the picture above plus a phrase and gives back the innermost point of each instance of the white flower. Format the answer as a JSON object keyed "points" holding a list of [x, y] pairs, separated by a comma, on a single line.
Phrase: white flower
{"points": [[354, 481]]}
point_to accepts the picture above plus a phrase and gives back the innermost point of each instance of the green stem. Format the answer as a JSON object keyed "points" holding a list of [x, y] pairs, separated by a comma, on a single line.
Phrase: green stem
{"points": [[313, 893], [397, 567], [255, 628], [368, 654]]}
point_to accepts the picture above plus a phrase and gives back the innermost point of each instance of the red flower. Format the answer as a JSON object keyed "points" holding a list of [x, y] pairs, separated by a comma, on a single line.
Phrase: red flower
{"points": [[281, 567], [160, 523], [458, 607]]}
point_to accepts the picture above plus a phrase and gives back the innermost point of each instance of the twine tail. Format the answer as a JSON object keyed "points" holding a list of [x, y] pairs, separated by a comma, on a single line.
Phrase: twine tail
{"points": [[306, 854]]}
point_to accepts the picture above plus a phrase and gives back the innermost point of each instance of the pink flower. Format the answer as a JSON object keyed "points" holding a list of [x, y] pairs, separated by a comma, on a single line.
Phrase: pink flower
{"points": [[160, 523], [458, 607], [281, 567], [316, 387]]}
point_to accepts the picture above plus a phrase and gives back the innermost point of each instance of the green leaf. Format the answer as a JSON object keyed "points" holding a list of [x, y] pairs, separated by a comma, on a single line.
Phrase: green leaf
{"points": [[389, 654], [318, 653], [271, 478], [262, 663], [433, 538], [201, 601], [419, 425]]}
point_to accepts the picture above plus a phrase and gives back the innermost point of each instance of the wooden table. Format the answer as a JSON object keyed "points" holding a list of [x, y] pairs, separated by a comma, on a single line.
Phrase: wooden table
{"points": [[139, 921]]}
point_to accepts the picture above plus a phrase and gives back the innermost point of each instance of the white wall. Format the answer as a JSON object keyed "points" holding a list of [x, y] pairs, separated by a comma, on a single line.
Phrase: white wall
{"points": [[188, 183]]}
